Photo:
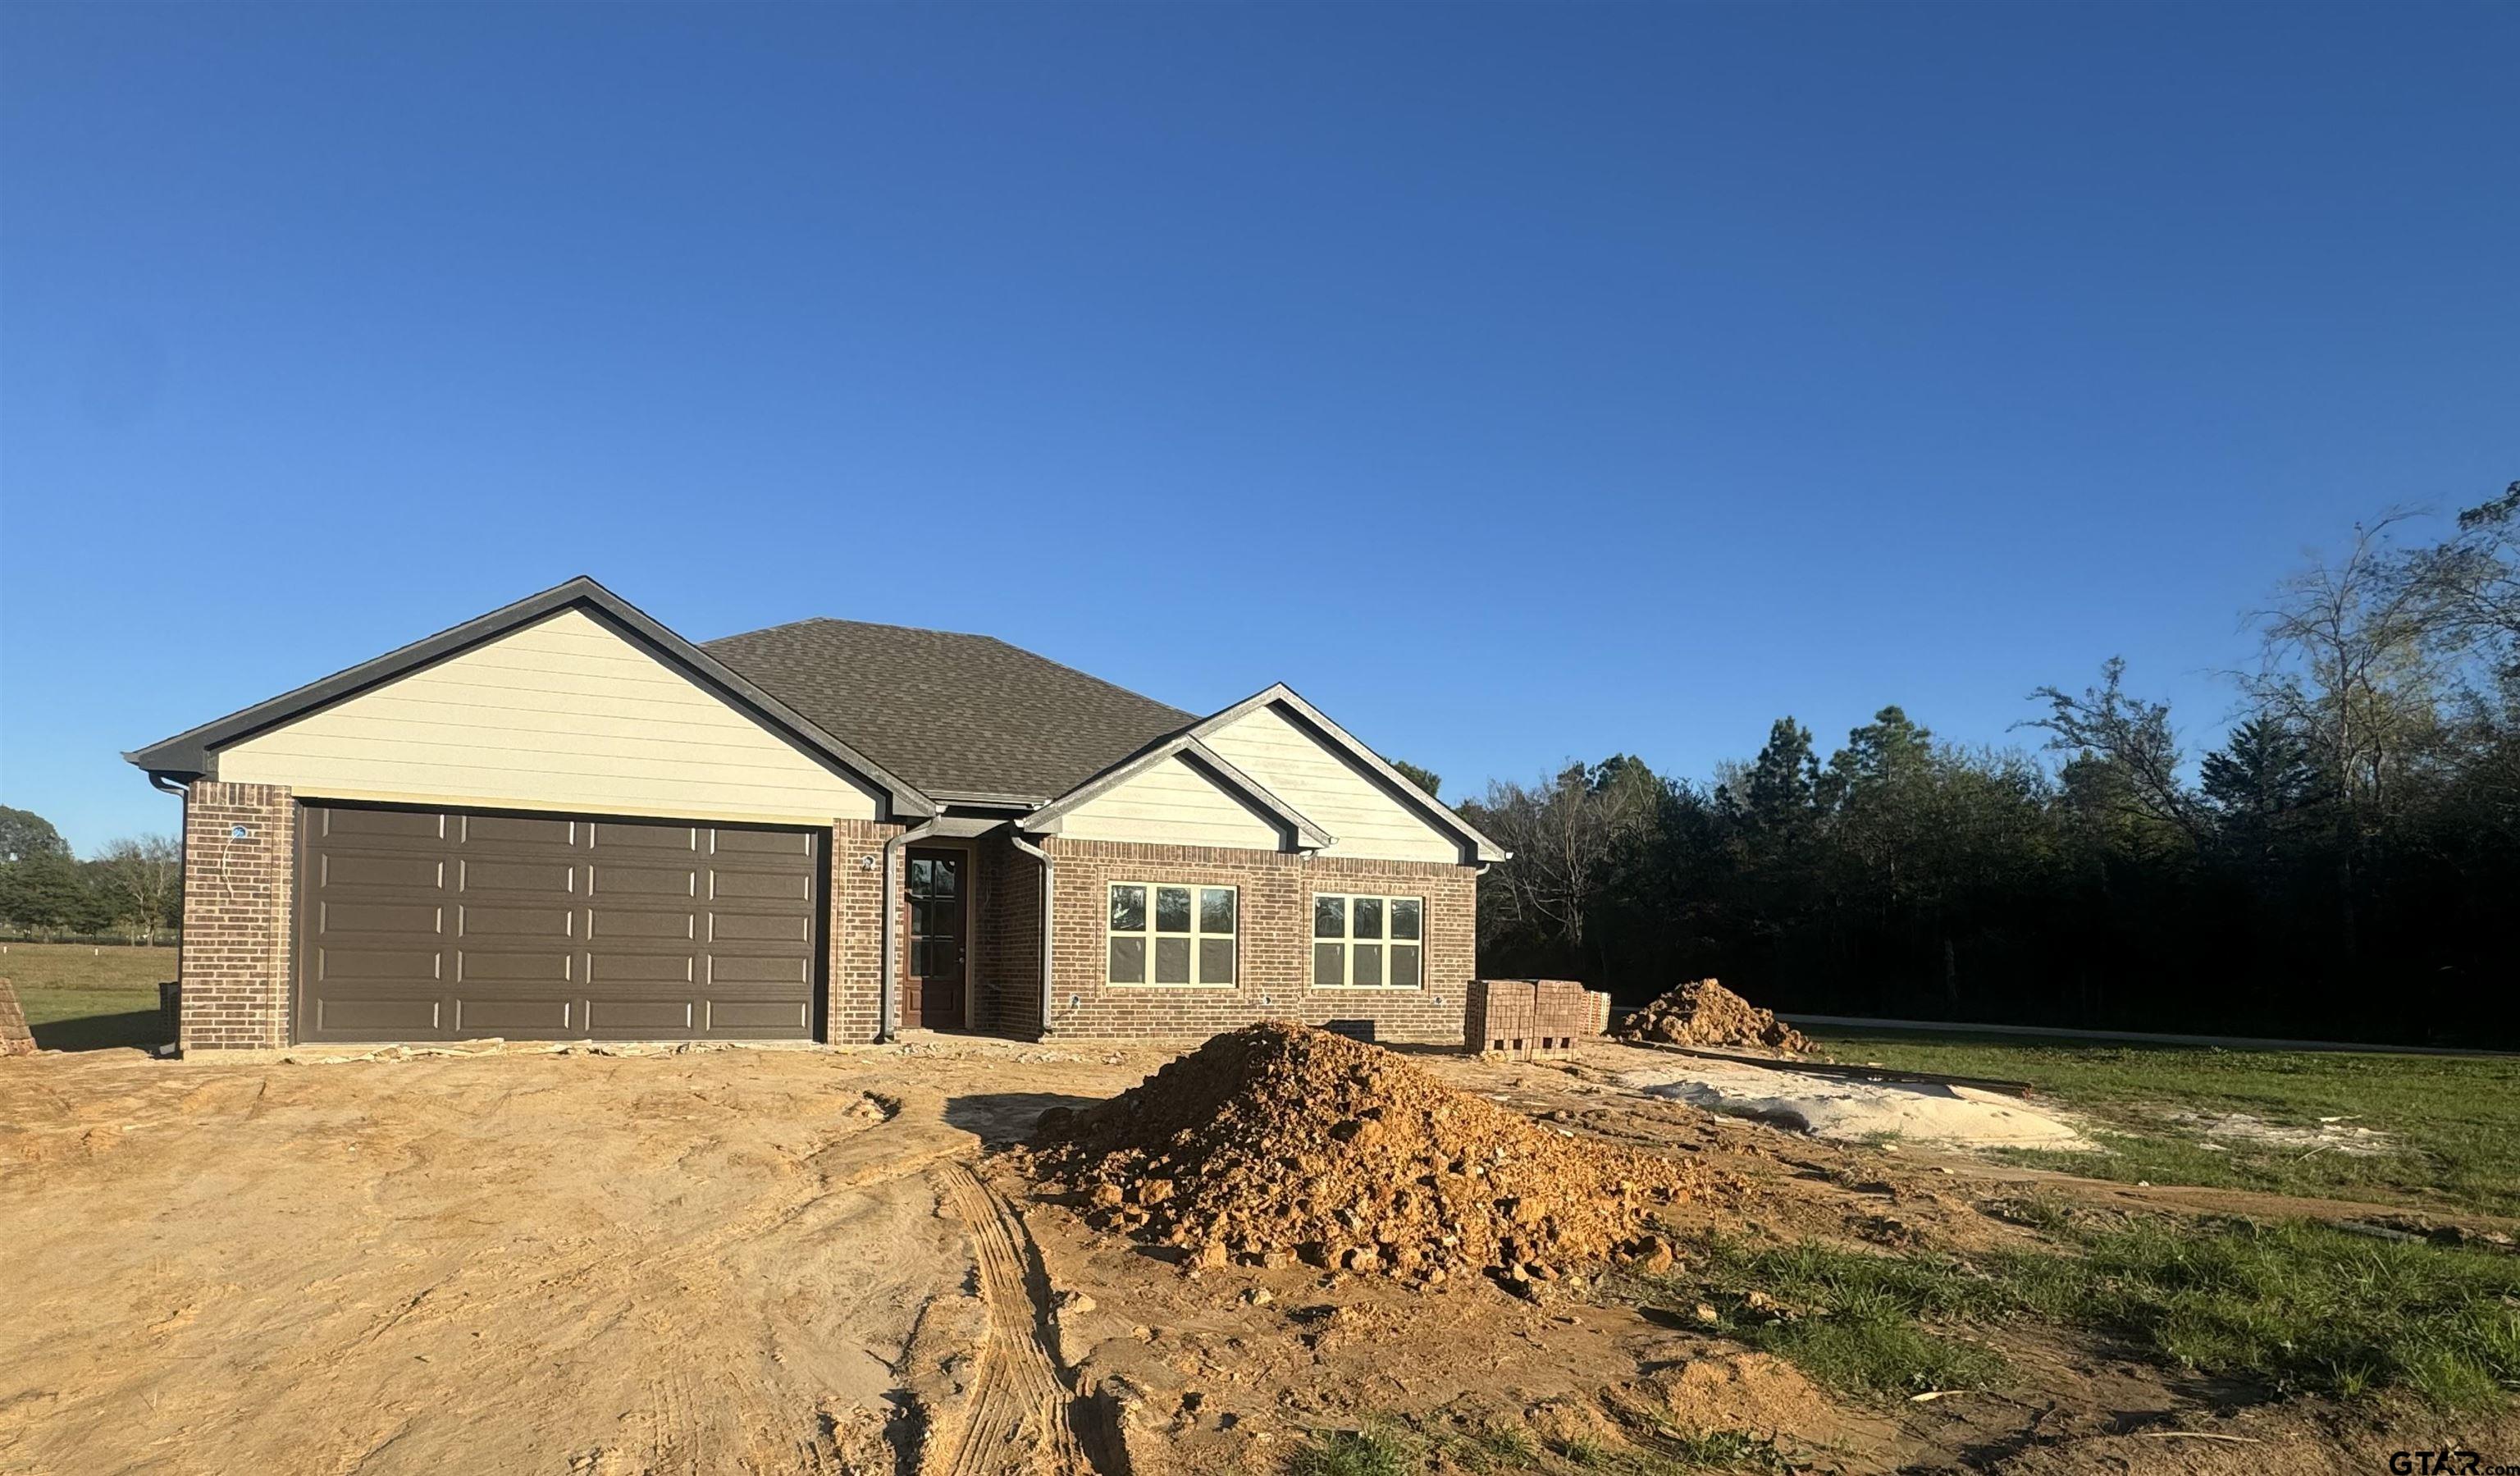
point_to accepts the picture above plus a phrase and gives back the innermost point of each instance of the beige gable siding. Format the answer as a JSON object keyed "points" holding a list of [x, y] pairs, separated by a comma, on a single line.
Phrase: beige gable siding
{"points": [[561, 714], [1172, 804], [1362, 818]]}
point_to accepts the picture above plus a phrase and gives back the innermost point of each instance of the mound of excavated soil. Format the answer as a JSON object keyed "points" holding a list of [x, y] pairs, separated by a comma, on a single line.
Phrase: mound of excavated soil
{"points": [[1703, 1013], [1280, 1140]]}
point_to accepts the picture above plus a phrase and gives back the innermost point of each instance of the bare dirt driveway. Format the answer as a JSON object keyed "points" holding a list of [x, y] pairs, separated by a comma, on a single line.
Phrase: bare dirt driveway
{"points": [[614, 1263]]}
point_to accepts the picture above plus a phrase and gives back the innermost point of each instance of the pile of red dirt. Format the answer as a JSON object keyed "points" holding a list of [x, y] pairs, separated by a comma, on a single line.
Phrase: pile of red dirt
{"points": [[1703, 1013], [1279, 1141]]}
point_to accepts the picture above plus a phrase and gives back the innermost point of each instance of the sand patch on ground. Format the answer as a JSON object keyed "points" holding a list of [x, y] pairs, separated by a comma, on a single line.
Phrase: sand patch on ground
{"points": [[690, 1262], [1854, 1111], [2329, 1134]]}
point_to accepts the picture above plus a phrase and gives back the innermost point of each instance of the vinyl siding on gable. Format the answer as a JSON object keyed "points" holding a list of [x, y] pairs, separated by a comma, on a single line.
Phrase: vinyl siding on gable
{"points": [[562, 714], [1172, 804], [1364, 819]]}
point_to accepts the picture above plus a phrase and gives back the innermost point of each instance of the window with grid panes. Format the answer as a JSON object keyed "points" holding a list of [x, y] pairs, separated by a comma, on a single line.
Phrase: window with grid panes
{"points": [[1367, 942], [1160, 933]]}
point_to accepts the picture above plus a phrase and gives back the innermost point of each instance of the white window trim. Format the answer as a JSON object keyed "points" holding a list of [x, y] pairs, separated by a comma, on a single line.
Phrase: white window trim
{"points": [[1348, 940], [1196, 935]]}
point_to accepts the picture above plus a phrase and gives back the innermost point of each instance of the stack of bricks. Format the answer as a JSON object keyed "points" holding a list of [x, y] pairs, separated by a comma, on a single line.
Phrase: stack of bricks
{"points": [[1531, 1020]]}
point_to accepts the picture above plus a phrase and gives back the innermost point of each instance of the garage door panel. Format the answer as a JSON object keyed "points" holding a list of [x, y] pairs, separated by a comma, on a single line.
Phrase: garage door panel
{"points": [[399, 873], [609, 923], [520, 831], [477, 966], [351, 919], [614, 879], [749, 885], [515, 1016], [545, 924], [759, 927], [759, 1018], [336, 965], [384, 1018], [389, 825], [624, 835], [789, 843], [418, 925], [613, 967], [727, 968], [550, 879], [627, 1016]]}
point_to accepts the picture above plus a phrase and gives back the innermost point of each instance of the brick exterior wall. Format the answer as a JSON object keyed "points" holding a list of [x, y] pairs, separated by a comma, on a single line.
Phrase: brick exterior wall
{"points": [[1006, 940], [855, 931], [1273, 972], [237, 916]]}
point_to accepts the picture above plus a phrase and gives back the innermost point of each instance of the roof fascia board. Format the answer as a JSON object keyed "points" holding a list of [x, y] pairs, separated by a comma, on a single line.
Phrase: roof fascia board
{"points": [[1279, 693], [194, 751]]}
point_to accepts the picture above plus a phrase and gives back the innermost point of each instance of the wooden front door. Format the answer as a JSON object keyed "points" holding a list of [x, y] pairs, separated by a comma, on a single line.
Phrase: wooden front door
{"points": [[940, 887]]}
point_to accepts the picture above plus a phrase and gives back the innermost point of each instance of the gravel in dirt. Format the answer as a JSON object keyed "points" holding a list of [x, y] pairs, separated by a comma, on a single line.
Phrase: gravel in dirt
{"points": [[1281, 1141], [1703, 1013]]}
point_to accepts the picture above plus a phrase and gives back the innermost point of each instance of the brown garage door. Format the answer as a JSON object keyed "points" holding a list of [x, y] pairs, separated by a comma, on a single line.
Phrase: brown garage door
{"points": [[442, 924]]}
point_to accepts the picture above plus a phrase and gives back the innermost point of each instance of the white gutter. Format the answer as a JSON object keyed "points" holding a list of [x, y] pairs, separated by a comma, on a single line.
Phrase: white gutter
{"points": [[884, 1034], [1048, 993]]}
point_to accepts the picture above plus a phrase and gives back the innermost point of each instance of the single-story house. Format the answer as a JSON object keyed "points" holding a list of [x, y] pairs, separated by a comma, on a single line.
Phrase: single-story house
{"points": [[564, 820]]}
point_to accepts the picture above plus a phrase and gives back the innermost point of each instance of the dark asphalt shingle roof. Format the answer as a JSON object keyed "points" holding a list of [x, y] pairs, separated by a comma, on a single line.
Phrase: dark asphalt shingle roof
{"points": [[947, 712]]}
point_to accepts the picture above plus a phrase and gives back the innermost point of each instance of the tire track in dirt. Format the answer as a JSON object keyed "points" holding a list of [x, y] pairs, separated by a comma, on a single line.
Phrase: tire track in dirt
{"points": [[1023, 1408]]}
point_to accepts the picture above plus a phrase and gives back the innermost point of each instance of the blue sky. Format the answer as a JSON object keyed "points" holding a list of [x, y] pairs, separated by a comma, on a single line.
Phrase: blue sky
{"points": [[1517, 383]]}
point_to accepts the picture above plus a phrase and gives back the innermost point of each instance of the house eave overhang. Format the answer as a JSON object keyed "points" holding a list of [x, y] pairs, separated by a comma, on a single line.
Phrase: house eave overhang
{"points": [[194, 753]]}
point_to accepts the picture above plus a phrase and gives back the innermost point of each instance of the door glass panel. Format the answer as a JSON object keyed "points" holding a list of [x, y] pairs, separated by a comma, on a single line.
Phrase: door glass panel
{"points": [[1407, 914], [1329, 962], [1128, 960], [1329, 916], [947, 876], [1172, 961], [1368, 918], [1216, 910], [1172, 909], [1128, 909], [1369, 964], [1216, 961]]}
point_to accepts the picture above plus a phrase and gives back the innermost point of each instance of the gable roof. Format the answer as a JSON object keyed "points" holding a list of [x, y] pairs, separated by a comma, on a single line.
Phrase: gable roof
{"points": [[961, 717], [193, 752], [1307, 836], [1341, 740]]}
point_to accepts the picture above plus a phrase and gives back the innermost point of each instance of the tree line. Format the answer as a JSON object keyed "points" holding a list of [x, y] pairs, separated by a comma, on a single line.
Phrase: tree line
{"points": [[133, 886], [2343, 861]]}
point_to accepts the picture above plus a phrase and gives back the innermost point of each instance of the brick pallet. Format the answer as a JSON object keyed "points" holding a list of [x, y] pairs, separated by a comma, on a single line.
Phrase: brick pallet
{"points": [[1531, 1020]]}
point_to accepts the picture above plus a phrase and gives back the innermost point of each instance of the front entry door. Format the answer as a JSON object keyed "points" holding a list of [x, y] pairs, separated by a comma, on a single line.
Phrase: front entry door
{"points": [[939, 888]]}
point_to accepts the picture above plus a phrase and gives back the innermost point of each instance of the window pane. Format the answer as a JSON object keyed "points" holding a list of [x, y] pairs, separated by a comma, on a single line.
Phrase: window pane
{"points": [[1404, 966], [1172, 909], [1369, 964], [1128, 909], [1128, 960], [1407, 914], [1216, 961], [1216, 910], [1329, 962], [1329, 916], [1172, 961], [1368, 918]]}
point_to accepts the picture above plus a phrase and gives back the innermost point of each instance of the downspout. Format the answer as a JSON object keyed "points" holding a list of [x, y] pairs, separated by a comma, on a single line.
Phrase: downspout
{"points": [[1048, 993], [884, 1034], [183, 852]]}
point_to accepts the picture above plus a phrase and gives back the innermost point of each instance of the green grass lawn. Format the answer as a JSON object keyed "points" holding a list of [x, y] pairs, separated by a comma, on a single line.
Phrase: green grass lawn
{"points": [[79, 996], [2454, 1121], [2296, 1306]]}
